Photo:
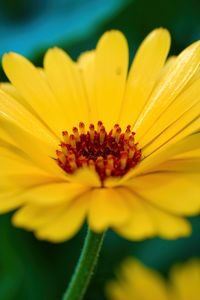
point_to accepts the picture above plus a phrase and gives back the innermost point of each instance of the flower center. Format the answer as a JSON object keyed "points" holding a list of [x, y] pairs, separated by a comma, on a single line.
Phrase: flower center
{"points": [[109, 154]]}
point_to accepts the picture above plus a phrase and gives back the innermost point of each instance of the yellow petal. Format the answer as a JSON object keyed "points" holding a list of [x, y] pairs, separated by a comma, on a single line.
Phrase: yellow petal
{"points": [[148, 220], [183, 110], [5, 139], [140, 225], [115, 291], [169, 226], [182, 164], [169, 151], [144, 73], [32, 217], [34, 89], [110, 76], [192, 154], [65, 79], [107, 208], [185, 280], [168, 88], [54, 193], [9, 89], [10, 202], [138, 276], [184, 126], [12, 110], [21, 180], [153, 161], [86, 64], [37, 150], [66, 224], [18, 171], [87, 177], [173, 192], [169, 64], [10, 196], [13, 161]]}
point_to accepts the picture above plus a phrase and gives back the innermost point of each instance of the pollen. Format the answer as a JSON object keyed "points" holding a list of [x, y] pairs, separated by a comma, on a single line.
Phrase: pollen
{"points": [[111, 153]]}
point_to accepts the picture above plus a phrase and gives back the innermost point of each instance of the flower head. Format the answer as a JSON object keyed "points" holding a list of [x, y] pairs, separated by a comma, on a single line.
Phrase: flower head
{"points": [[136, 281], [90, 140]]}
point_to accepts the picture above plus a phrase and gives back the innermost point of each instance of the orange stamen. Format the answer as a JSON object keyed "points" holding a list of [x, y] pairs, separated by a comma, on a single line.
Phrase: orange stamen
{"points": [[72, 141], [123, 159], [76, 134], [91, 132], [109, 154], [82, 127], [65, 137]]}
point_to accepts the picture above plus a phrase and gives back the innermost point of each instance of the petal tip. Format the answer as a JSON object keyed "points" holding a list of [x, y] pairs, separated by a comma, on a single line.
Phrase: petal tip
{"points": [[112, 35], [161, 33]]}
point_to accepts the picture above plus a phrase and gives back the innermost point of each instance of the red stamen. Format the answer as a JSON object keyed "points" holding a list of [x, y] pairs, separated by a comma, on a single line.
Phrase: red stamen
{"points": [[76, 134], [91, 132], [131, 141], [102, 135], [131, 152], [123, 159], [65, 137], [99, 125], [117, 134], [112, 154], [127, 132], [72, 141], [82, 127]]}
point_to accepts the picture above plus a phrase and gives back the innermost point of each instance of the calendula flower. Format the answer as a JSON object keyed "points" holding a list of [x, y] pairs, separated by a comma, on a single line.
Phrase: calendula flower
{"points": [[90, 140], [138, 282]]}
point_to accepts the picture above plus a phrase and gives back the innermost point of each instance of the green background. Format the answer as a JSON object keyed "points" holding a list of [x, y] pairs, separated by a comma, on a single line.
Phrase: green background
{"points": [[35, 270]]}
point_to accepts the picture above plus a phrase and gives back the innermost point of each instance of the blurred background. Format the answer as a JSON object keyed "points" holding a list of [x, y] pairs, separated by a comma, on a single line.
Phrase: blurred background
{"points": [[35, 270]]}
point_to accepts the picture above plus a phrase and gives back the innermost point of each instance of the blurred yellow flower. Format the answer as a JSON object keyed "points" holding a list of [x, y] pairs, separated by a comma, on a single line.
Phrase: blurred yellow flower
{"points": [[138, 282], [89, 140]]}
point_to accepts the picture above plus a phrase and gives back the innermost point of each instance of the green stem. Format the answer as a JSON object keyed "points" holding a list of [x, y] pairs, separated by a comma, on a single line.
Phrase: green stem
{"points": [[85, 266]]}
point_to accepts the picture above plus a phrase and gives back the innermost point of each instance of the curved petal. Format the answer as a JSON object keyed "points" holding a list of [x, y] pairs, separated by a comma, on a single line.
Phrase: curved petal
{"points": [[174, 192], [12, 110], [144, 73], [110, 76], [133, 276], [148, 220], [182, 128], [86, 63], [87, 177], [33, 87], [181, 164], [168, 88], [183, 110], [9, 89], [67, 223], [19, 176], [20, 172], [185, 280], [140, 225], [107, 208], [37, 150], [66, 82], [54, 193], [153, 161], [10, 201], [32, 216], [55, 223]]}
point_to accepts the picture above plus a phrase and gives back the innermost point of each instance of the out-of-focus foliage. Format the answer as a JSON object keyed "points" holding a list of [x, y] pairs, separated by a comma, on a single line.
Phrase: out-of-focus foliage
{"points": [[29, 25], [35, 270]]}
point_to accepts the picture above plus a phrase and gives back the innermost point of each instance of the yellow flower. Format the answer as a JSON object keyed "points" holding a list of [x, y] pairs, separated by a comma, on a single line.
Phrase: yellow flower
{"points": [[89, 140], [138, 282]]}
